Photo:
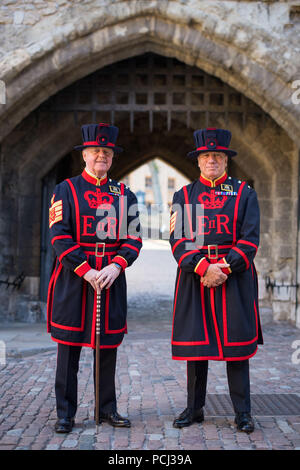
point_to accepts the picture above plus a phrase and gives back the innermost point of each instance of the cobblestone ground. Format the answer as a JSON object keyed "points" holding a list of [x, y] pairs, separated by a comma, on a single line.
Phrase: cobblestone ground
{"points": [[151, 390]]}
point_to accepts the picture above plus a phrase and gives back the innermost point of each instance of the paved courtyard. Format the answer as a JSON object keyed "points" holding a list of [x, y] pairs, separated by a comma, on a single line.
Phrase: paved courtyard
{"points": [[151, 387]]}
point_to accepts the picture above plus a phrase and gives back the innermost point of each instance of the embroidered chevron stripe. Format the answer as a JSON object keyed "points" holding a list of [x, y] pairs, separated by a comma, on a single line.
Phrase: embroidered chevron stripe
{"points": [[173, 222], [55, 213]]}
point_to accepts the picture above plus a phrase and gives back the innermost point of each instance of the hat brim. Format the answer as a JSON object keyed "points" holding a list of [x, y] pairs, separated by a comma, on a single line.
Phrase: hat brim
{"points": [[115, 149], [195, 153]]}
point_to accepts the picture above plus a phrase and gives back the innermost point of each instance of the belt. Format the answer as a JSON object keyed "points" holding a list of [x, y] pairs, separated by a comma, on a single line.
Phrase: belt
{"points": [[213, 252], [100, 249], [209, 254]]}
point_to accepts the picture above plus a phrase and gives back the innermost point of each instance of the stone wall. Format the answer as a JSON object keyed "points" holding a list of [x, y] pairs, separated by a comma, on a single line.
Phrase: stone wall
{"points": [[251, 46]]}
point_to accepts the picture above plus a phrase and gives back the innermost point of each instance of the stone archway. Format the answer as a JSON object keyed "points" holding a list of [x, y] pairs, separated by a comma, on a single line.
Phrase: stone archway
{"points": [[247, 46], [51, 131]]}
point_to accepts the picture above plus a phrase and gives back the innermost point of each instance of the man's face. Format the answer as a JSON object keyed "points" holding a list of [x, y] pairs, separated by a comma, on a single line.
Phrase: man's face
{"points": [[212, 164], [98, 160]]}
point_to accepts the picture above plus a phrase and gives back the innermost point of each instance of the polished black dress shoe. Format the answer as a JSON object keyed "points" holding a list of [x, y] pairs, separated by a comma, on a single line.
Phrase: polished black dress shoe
{"points": [[188, 417], [114, 419], [244, 422], [64, 425]]}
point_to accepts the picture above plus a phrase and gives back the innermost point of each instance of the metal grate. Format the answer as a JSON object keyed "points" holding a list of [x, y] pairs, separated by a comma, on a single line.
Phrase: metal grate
{"points": [[155, 87], [261, 405]]}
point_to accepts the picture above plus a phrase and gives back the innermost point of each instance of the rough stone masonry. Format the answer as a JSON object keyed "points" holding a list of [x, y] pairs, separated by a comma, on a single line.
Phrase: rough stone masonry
{"points": [[251, 47]]}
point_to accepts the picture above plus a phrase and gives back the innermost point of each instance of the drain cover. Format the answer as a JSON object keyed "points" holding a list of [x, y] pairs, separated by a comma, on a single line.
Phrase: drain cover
{"points": [[275, 404]]}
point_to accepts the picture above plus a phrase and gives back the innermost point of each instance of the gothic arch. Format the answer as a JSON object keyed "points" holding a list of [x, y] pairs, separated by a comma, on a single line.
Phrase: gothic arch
{"points": [[33, 74]]}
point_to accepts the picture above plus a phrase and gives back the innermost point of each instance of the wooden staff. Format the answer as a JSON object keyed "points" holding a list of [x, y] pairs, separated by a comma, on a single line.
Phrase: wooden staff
{"points": [[97, 359]]}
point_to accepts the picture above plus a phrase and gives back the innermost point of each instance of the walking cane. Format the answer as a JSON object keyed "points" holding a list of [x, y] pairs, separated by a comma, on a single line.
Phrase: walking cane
{"points": [[97, 364]]}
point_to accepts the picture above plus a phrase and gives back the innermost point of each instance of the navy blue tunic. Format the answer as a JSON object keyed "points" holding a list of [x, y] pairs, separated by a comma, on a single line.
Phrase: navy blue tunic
{"points": [[86, 211], [215, 221]]}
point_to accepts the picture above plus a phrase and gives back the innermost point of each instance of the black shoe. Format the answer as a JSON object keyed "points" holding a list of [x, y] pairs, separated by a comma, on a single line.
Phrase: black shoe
{"points": [[64, 425], [244, 422], [114, 419], [188, 417]]}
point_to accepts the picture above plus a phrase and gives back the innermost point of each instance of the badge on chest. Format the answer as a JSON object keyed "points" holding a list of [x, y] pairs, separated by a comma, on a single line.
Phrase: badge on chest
{"points": [[226, 190], [115, 190]]}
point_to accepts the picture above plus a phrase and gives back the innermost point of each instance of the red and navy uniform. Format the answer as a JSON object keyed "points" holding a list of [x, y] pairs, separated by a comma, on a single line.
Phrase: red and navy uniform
{"points": [[87, 212], [219, 323]]}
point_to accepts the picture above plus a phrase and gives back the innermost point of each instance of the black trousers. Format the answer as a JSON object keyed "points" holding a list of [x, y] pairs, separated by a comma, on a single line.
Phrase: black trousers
{"points": [[238, 383], [66, 380]]}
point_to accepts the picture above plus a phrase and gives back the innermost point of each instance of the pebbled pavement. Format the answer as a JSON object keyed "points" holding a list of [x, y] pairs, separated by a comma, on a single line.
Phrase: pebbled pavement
{"points": [[151, 388]]}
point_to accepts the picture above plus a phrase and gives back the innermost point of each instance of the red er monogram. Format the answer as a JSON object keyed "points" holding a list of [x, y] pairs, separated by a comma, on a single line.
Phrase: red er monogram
{"points": [[219, 223], [96, 199], [107, 226]]}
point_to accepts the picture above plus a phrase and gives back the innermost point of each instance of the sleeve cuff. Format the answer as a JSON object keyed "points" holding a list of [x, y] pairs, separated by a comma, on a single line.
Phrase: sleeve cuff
{"points": [[201, 266], [82, 269], [121, 261], [225, 270]]}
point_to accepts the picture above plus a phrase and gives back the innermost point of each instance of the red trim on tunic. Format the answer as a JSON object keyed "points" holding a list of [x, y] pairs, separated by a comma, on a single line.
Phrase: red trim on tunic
{"points": [[121, 261], [93, 179], [205, 247], [226, 271], [49, 300], [212, 304], [82, 269], [68, 251], [236, 208], [187, 254], [213, 183], [132, 237], [234, 343], [215, 358], [202, 266], [186, 198], [77, 217], [92, 253], [83, 308], [245, 242], [93, 245], [69, 328], [110, 346], [94, 314], [175, 301], [121, 210], [106, 314], [240, 252], [178, 242], [53, 289], [107, 329], [60, 237], [256, 310], [130, 246], [193, 343], [203, 313]]}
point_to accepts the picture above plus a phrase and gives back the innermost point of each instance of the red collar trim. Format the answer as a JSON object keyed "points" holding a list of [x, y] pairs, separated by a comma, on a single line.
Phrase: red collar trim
{"points": [[88, 176], [213, 183]]}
